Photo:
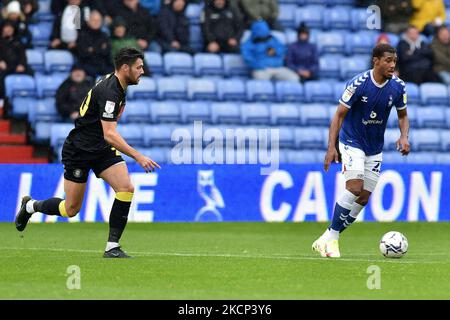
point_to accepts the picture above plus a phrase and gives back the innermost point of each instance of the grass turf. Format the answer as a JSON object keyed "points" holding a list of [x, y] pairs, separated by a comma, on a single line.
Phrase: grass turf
{"points": [[221, 261]]}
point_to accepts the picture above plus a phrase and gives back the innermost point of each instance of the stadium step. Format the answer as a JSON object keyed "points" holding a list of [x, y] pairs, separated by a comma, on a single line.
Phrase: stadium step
{"points": [[11, 152], [24, 160], [5, 126], [7, 138]]}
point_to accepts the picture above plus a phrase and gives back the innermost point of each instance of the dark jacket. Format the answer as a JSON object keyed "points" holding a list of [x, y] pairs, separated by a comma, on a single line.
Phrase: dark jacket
{"points": [[70, 95], [173, 26], [441, 54], [13, 53], [99, 41], [412, 57], [303, 55], [221, 24], [398, 11]]}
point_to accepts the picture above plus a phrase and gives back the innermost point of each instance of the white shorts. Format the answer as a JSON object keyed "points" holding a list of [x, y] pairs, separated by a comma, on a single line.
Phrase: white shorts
{"points": [[356, 165]]}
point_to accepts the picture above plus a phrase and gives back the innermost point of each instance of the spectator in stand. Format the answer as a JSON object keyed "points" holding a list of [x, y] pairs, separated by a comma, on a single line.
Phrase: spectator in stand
{"points": [[428, 14], [12, 55], [28, 7], [13, 13], [141, 24], [94, 47], [415, 58], [71, 93], [441, 53], [395, 15], [174, 27], [265, 54], [255, 10], [302, 56], [222, 27]]}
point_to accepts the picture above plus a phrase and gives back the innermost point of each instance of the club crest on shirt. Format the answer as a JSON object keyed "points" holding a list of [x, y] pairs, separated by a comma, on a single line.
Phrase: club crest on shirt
{"points": [[109, 107]]}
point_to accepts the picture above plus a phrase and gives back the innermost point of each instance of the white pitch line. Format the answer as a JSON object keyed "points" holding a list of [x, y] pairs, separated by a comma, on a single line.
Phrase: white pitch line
{"points": [[238, 256]]}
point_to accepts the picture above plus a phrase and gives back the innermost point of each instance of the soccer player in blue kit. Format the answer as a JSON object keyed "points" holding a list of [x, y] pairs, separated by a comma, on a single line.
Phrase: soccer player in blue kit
{"points": [[360, 121]]}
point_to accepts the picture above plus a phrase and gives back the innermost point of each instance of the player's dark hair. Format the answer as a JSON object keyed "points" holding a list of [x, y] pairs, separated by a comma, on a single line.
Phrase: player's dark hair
{"points": [[127, 56], [381, 48]]}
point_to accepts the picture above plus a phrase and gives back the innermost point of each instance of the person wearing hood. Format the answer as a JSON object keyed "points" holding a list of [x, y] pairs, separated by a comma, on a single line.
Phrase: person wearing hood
{"points": [[265, 54], [174, 27], [28, 7], [441, 52], [222, 27], [302, 56], [94, 47], [415, 58]]}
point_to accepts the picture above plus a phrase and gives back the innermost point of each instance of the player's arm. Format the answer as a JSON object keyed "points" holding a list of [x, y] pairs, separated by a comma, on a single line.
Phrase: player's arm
{"points": [[403, 123], [335, 127], [113, 137]]}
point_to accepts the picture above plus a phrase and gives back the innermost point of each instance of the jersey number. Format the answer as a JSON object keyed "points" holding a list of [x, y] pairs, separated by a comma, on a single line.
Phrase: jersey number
{"points": [[85, 104]]}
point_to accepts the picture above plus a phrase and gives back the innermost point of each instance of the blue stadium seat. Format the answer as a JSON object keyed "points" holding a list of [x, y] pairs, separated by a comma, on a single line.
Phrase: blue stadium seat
{"points": [[286, 137], [338, 89], [279, 35], [158, 135], [21, 106], [393, 157], [40, 33], [20, 85], [286, 16], [195, 111], [314, 115], [330, 42], [35, 59], [390, 139], [165, 112], [291, 36], [421, 158], [193, 12], [42, 132], [312, 16], [413, 93], [43, 110], [178, 63], [309, 138], [393, 39], [146, 89], [136, 111], [350, 67], [260, 90], [208, 64], [154, 60], [351, 3], [132, 133], [337, 18], [359, 19], [359, 42], [231, 90], [291, 2], [47, 85], [196, 37], [425, 140], [234, 66], [434, 93], [172, 88], [447, 117], [319, 91], [289, 91], [59, 133], [201, 89], [301, 157], [284, 114], [255, 113], [58, 61], [159, 155], [445, 140], [412, 117], [329, 66], [44, 12], [226, 113], [431, 117], [442, 158]]}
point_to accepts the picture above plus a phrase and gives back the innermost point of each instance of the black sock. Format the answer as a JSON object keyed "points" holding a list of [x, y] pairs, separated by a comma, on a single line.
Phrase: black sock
{"points": [[49, 207], [118, 218]]}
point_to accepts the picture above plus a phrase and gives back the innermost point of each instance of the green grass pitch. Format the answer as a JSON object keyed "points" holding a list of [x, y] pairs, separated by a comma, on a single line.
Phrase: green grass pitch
{"points": [[221, 261]]}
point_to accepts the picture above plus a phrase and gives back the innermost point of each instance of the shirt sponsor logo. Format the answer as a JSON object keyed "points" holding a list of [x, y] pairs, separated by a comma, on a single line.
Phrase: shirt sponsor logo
{"points": [[108, 115], [109, 106]]}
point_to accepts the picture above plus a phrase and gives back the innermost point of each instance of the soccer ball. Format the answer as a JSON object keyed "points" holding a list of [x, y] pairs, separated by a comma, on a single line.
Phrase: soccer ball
{"points": [[393, 245]]}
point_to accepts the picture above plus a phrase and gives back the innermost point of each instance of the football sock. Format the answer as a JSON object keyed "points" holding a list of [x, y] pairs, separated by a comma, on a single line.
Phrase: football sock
{"points": [[119, 216], [356, 209], [51, 207], [342, 210]]}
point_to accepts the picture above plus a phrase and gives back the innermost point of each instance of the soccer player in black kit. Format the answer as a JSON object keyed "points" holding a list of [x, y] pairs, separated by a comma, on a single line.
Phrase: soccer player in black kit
{"points": [[95, 144]]}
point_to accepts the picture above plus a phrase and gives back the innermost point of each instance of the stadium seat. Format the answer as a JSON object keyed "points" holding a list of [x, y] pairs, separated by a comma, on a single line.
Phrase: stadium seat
{"points": [[195, 111], [40, 33], [193, 12], [412, 117], [35, 59], [172, 88], [196, 37], [201, 89], [165, 112], [42, 132], [43, 110], [359, 42], [445, 140], [159, 155], [291, 36], [431, 117], [58, 61], [300, 157], [442, 158], [132, 133], [312, 16], [59, 133], [44, 12], [158, 135], [390, 139], [146, 89], [319, 91], [284, 114], [421, 158], [413, 93], [425, 140], [337, 18], [393, 157], [136, 111], [279, 35], [47, 85], [154, 60], [231, 90], [434, 93], [234, 66], [286, 16], [359, 19], [338, 90], [330, 42], [178, 63], [309, 138], [208, 64], [226, 113], [289, 91], [393, 39], [447, 117], [20, 85], [314, 115], [260, 90], [350, 67], [255, 113], [286, 137], [21, 106], [329, 66]]}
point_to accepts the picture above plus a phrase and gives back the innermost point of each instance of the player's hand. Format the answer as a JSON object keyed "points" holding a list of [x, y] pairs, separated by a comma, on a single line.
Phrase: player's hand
{"points": [[332, 155], [403, 146], [148, 164]]}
